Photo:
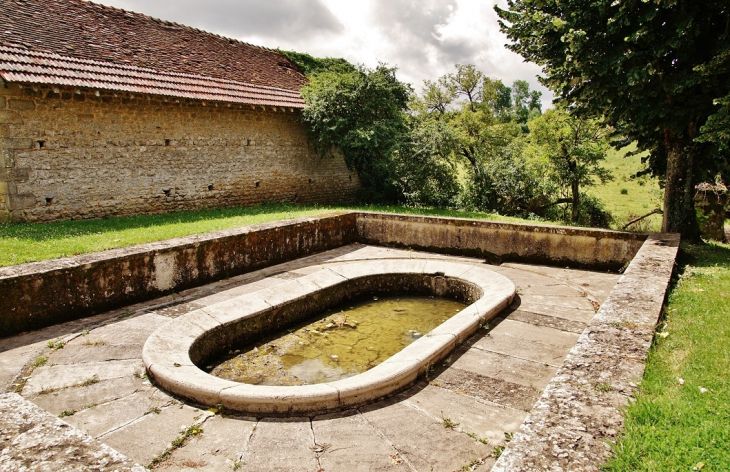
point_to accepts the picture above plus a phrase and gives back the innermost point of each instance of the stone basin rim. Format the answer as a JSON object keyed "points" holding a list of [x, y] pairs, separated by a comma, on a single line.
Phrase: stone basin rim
{"points": [[167, 352]]}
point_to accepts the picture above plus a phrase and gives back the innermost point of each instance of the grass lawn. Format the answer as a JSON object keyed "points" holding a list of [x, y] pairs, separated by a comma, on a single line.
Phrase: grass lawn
{"points": [[684, 425], [27, 242], [625, 196]]}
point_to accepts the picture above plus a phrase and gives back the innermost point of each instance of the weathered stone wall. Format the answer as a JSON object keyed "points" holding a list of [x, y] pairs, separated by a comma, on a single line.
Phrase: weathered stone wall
{"points": [[76, 153], [43, 293], [498, 242]]}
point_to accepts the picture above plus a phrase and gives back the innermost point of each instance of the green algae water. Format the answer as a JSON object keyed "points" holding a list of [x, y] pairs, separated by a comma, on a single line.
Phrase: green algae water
{"points": [[345, 341]]}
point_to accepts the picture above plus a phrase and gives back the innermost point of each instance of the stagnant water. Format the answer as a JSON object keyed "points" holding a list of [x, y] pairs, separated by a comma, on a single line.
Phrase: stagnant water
{"points": [[346, 341]]}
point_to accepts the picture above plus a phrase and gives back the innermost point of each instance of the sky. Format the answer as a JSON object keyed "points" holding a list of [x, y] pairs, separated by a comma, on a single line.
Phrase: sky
{"points": [[423, 38]]}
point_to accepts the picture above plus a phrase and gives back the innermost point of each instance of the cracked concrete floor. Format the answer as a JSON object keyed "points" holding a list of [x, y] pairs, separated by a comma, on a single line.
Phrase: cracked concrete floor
{"points": [[456, 417]]}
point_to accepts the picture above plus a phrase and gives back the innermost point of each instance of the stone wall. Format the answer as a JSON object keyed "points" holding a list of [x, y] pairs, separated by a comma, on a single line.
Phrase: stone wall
{"points": [[43, 293], [76, 153]]}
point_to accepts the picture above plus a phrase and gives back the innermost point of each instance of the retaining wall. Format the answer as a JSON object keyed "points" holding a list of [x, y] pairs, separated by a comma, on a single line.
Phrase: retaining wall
{"points": [[43, 293]]}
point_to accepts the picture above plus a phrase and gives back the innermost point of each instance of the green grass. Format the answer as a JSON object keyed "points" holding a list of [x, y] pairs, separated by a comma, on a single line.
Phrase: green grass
{"points": [[674, 426], [28, 242], [641, 194]]}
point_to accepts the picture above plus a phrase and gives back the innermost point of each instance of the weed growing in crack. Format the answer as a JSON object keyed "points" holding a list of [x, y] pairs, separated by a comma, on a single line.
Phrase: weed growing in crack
{"points": [[56, 345], [40, 361], [66, 413], [471, 465], [177, 443], [87, 382], [448, 422], [497, 451], [477, 438]]}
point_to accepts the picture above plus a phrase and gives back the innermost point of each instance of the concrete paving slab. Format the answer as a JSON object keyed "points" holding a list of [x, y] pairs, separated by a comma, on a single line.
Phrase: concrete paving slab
{"points": [[536, 351], [62, 376], [422, 439], [80, 398], [14, 360], [94, 350], [351, 443], [281, 445], [557, 311], [488, 389], [537, 319], [523, 278], [150, 435], [484, 419], [219, 447], [499, 366], [598, 284], [556, 290], [118, 413], [577, 302], [527, 332], [128, 332]]}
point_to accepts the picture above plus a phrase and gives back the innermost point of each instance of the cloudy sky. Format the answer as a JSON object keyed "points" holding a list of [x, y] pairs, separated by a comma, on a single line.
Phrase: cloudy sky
{"points": [[423, 38]]}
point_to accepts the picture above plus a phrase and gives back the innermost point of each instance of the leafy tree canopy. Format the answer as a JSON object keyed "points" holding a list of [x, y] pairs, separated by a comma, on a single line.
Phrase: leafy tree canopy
{"points": [[362, 114], [574, 148], [658, 70]]}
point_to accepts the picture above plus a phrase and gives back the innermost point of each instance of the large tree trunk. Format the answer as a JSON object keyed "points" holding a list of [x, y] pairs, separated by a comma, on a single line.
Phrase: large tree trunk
{"points": [[576, 201], [679, 208]]}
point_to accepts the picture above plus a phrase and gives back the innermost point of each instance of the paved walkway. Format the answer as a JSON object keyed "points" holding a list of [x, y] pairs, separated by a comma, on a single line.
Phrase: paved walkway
{"points": [[457, 417]]}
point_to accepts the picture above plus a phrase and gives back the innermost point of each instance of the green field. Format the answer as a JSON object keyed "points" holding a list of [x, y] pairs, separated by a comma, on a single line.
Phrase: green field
{"points": [[641, 196]]}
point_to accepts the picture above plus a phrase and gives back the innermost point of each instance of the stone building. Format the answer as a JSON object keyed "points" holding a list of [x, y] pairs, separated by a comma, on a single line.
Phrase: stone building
{"points": [[106, 112]]}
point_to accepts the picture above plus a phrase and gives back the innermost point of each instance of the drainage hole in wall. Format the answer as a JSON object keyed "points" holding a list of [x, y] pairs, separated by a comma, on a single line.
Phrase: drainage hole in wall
{"points": [[49, 200], [310, 181], [256, 183], [210, 187], [166, 192], [41, 144], [167, 142]]}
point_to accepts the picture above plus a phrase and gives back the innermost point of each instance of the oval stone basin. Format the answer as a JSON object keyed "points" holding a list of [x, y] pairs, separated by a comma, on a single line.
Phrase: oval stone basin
{"points": [[174, 353]]}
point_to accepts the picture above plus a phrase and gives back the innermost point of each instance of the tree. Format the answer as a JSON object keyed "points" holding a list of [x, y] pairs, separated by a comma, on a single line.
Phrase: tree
{"points": [[466, 81], [574, 148], [657, 70], [362, 114], [437, 96]]}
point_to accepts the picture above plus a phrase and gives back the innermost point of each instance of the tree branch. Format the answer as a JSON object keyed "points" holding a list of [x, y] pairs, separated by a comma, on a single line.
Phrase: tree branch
{"points": [[636, 220]]}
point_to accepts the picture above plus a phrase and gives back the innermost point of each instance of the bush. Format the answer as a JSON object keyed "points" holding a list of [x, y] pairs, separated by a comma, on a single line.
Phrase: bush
{"points": [[593, 213], [421, 167], [509, 183]]}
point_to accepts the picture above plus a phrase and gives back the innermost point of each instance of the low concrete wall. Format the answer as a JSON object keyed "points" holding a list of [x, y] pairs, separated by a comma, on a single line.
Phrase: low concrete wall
{"points": [[580, 413], [499, 242], [43, 293]]}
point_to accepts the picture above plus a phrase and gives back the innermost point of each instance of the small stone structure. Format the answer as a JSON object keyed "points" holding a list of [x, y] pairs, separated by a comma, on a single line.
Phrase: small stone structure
{"points": [[81, 285], [485, 389], [105, 112]]}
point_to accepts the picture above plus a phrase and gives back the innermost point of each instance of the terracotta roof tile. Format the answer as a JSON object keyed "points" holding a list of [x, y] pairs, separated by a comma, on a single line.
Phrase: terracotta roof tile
{"points": [[74, 42]]}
